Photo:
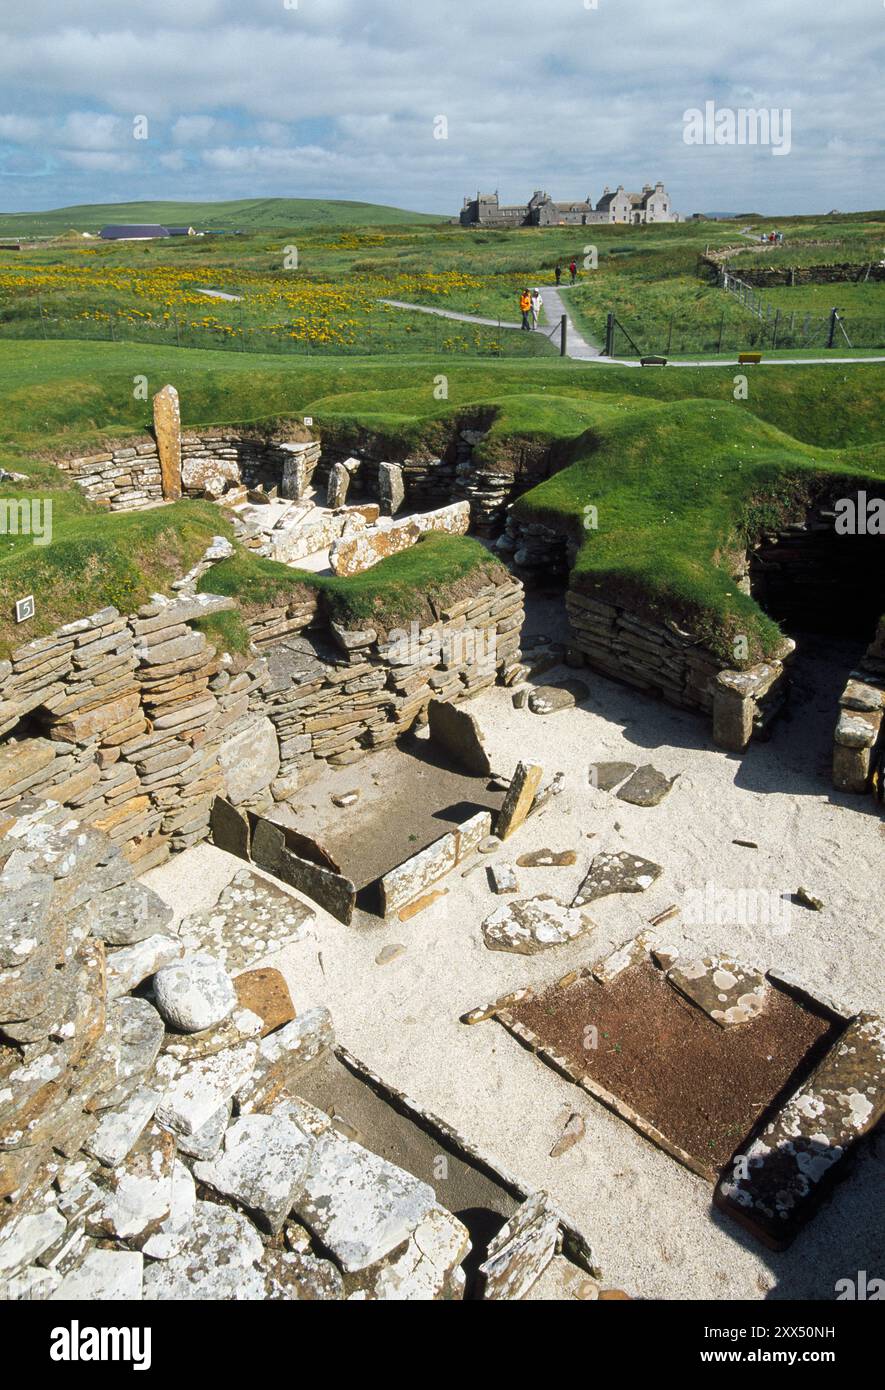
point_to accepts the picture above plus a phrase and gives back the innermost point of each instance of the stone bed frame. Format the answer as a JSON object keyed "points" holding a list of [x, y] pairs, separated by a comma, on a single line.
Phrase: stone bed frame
{"points": [[403, 891], [794, 1159]]}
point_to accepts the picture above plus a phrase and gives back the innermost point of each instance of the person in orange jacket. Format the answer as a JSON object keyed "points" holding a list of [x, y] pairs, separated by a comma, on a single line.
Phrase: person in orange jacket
{"points": [[525, 308]]}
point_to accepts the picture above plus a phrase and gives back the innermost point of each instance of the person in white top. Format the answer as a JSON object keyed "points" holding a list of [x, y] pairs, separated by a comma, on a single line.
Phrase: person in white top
{"points": [[537, 301]]}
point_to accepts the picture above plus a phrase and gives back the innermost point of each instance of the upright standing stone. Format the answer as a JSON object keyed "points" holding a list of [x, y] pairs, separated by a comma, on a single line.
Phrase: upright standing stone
{"points": [[167, 431], [391, 491], [336, 488], [518, 801]]}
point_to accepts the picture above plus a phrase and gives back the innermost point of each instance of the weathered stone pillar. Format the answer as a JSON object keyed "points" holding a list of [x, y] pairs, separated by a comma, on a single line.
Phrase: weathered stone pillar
{"points": [[167, 432], [737, 699], [391, 491]]}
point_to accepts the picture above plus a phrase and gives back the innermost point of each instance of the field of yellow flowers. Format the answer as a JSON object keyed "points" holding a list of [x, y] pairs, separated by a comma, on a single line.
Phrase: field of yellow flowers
{"points": [[328, 300]]}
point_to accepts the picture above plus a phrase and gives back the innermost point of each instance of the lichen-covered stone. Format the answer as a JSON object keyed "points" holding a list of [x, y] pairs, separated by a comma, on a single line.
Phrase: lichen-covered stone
{"points": [[530, 925]]}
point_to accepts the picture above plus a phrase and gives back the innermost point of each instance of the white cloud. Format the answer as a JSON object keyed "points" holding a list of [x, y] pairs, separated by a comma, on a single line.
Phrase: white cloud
{"points": [[341, 96]]}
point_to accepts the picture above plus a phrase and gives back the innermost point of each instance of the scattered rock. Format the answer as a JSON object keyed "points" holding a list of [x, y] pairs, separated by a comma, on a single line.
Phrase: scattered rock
{"points": [[547, 859], [806, 899], [573, 1131], [532, 925], [503, 878], [620, 872], [548, 699], [647, 787], [194, 993], [344, 799], [605, 776], [489, 844], [392, 951]]}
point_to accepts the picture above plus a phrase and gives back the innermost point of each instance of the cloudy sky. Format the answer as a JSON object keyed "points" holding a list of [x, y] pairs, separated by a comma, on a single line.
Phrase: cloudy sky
{"points": [[343, 99]]}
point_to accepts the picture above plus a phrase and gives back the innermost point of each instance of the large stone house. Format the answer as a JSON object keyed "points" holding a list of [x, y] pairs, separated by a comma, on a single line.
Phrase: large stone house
{"points": [[651, 205]]}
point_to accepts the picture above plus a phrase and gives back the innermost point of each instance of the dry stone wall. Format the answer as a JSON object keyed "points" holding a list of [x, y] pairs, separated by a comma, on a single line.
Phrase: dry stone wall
{"points": [[129, 478], [336, 700]]}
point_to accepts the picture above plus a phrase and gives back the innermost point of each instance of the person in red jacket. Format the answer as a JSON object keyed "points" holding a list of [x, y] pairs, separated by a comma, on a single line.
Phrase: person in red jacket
{"points": [[573, 270]]}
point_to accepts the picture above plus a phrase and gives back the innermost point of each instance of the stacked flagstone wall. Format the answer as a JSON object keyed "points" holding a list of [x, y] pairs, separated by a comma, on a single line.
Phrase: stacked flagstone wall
{"points": [[128, 478], [138, 723], [859, 740]]}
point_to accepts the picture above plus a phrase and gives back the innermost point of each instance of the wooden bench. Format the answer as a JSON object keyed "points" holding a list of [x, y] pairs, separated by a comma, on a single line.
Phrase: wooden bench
{"points": [[749, 359]]}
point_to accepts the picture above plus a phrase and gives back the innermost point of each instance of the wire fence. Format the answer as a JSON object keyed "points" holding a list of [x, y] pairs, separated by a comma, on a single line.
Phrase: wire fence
{"points": [[403, 334], [769, 329]]}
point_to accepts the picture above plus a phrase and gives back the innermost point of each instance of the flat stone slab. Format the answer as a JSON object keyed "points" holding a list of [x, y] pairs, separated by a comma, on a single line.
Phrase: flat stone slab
{"points": [[127, 914], [429, 1269], [530, 925], [605, 776], [620, 872], [252, 919], [727, 992], [456, 732], [360, 1206], [217, 1260], [646, 787], [547, 859], [103, 1276], [790, 1166], [200, 1090], [261, 1166], [548, 699], [521, 1250], [129, 965]]}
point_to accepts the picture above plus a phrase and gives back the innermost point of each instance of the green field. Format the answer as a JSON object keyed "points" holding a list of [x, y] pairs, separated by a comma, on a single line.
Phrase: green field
{"points": [[310, 277], [682, 475]]}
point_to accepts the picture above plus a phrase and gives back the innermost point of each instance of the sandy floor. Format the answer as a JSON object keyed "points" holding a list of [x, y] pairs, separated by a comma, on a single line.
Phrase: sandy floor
{"points": [[649, 1221]]}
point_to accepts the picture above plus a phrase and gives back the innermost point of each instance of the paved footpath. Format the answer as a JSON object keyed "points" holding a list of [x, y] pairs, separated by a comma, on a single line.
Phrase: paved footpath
{"points": [[579, 350]]}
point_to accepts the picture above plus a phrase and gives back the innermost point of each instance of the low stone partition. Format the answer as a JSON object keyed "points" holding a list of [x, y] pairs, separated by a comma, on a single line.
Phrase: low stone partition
{"points": [[859, 739], [458, 474], [364, 548]]}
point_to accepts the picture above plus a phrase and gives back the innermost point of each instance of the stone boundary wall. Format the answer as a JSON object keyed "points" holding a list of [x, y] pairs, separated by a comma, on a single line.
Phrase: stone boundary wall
{"points": [[760, 277], [128, 478]]}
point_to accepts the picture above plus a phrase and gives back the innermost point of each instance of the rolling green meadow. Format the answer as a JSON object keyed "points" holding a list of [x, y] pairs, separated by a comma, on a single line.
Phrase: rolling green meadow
{"points": [[682, 472]]}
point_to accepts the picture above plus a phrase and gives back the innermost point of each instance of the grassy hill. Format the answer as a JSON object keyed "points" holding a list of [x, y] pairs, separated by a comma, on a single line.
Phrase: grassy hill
{"points": [[249, 214], [682, 473]]}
